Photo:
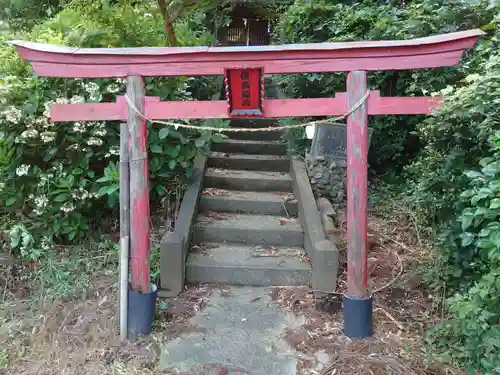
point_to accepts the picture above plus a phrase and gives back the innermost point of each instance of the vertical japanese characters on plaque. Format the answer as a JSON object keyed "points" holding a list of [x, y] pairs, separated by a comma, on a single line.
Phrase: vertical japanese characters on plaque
{"points": [[245, 92]]}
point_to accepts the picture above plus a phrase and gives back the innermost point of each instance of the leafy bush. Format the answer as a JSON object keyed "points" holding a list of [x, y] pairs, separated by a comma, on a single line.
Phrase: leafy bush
{"points": [[54, 175], [472, 331], [463, 203], [457, 134], [393, 143]]}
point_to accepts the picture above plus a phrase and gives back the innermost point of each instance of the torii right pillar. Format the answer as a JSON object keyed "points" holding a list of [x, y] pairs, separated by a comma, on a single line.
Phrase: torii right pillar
{"points": [[358, 306]]}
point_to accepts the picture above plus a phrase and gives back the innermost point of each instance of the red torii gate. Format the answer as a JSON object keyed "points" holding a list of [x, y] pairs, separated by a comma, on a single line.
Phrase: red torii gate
{"points": [[356, 58]]}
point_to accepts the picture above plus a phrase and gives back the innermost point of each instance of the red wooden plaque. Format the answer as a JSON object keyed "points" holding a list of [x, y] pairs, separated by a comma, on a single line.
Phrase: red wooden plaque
{"points": [[245, 92]]}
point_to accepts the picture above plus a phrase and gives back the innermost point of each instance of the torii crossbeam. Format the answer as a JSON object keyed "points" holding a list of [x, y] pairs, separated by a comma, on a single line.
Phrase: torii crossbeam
{"points": [[355, 58]]}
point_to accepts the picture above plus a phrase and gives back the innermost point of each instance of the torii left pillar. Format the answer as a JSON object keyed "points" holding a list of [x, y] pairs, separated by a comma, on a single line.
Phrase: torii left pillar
{"points": [[139, 186]]}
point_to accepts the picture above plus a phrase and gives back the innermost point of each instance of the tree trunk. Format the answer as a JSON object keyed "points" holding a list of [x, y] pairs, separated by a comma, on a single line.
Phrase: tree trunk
{"points": [[169, 24]]}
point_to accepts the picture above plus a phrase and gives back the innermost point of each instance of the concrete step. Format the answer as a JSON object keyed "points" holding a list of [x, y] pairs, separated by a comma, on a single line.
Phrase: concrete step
{"points": [[273, 163], [247, 265], [250, 147], [247, 180], [267, 136], [249, 202], [252, 123], [247, 229]]}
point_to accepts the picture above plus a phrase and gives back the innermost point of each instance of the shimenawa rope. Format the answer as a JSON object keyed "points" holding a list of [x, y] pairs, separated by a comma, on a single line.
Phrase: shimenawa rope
{"points": [[277, 128]]}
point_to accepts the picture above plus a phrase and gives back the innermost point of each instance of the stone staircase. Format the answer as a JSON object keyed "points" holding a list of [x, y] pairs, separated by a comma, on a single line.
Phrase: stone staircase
{"points": [[247, 232]]}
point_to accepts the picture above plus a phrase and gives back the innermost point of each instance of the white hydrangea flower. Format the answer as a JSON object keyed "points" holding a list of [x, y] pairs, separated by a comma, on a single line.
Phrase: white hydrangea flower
{"points": [[43, 122], [80, 194], [44, 180], [79, 127], [113, 88], [77, 99], [93, 141], [99, 125], [22, 170], [41, 201], [46, 243], [62, 101], [47, 106], [96, 97], [100, 132], [48, 137], [12, 114], [30, 133], [114, 150], [91, 87], [67, 207]]}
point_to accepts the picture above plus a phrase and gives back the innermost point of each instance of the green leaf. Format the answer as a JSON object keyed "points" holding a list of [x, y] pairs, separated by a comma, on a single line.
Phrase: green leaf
{"points": [[111, 189], [495, 203], [163, 133], [104, 179], [200, 142], [172, 163], [484, 243], [160, 189], [173, 150], [49, 154], [62, 197], [467, 193], [473, 174], [491, 169], [218, 138], [155, 164], [466, 221], [10, 201], [156, 149], [467, 238], [112, 200]]}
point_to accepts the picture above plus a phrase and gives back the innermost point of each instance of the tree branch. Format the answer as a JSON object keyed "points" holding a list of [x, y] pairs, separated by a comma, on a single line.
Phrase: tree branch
{"points": [[168, 22]]}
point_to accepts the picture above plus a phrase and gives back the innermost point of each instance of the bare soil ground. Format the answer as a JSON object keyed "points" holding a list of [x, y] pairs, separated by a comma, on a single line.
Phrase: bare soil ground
{"points": [[403, 308], [79, 335]]}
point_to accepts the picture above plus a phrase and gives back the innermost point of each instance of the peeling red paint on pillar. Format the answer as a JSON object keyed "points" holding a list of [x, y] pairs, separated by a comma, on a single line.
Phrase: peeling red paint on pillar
{"points": [[141, 241], [357, 186], [139, 187]]}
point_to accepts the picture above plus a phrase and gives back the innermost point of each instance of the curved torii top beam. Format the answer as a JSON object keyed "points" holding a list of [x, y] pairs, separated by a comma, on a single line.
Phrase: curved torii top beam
{"points": [[429, 52]]}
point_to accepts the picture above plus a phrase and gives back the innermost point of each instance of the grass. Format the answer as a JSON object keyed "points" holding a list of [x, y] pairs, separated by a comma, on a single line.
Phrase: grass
{"points": [[58, 315]]}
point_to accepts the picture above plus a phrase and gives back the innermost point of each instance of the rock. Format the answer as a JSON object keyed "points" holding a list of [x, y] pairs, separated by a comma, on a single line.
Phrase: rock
{"points": [[333, 165], [318, 175], [324, 181], [313, 181], [320, 158]]}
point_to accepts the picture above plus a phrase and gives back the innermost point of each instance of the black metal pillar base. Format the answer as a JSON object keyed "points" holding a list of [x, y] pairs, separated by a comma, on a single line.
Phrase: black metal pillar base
{"points": [[358, 317], [141, 312]]}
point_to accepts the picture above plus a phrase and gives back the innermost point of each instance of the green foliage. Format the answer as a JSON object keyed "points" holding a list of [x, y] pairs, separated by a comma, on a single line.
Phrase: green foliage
{"points": [[56, 176], [393, 143], [472, 329], [455, 185], [454, 180], [457, 136], [23, 14]]}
